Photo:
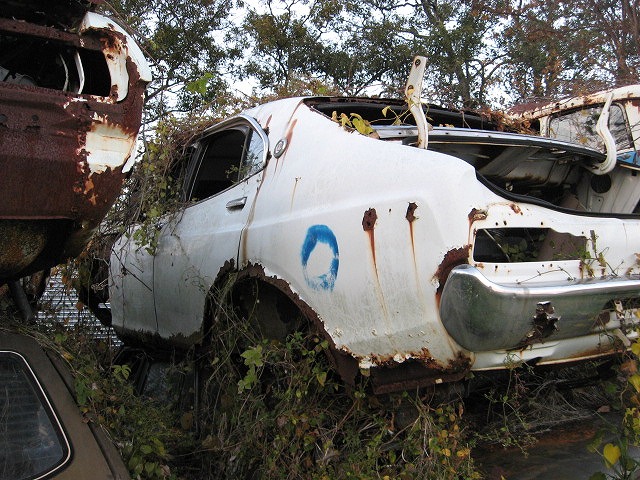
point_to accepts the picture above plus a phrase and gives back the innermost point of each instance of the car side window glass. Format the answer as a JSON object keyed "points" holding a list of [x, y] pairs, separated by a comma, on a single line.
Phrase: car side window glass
{"points": [[227, 157], [252, 161], [31, 440], [619, 128]]}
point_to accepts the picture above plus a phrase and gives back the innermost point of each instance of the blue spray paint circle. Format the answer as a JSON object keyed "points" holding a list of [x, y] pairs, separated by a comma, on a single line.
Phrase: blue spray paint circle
{"points": [[320, 234]]}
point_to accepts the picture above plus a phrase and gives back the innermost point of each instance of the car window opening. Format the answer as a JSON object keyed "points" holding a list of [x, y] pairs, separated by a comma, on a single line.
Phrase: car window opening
{"points": [[512, 245], [42, 63], [579, 127], [219, 164]]}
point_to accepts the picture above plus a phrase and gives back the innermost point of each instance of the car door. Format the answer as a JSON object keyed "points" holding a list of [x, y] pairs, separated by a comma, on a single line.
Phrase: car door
{"points": [[195, 244], [131, 286]]}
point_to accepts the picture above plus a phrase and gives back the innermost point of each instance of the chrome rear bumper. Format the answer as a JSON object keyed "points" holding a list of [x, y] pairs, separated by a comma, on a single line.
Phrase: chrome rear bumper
{"points": [[481, 315]]}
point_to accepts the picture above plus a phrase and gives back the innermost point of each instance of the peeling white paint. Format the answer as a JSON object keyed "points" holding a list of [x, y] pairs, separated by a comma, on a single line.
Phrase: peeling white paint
{"points": [[107, 146]]}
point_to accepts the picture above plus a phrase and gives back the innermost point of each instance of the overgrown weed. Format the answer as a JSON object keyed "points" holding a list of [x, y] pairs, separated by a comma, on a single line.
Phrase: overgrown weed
{"points": [[618, 444], [276, 409]]}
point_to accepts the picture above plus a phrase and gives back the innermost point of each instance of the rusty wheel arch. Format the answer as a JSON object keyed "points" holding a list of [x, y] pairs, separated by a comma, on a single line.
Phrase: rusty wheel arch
{"points": [[230, 280]]}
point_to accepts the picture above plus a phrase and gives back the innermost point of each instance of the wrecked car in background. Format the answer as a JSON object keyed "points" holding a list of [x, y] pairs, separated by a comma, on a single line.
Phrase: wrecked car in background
{"points": [[423, 243], [42, 432], [71, 97], [607, 121]]}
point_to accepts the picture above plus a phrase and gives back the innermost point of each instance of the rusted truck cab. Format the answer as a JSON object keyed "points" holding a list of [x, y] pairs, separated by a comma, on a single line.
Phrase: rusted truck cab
{"points": [[71, 97]]}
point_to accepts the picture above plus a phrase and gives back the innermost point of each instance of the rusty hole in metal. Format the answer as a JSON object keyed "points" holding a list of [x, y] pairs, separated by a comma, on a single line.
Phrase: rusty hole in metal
{"points": [[410, 212], [543, 324], [476, 215], [369, 220]]}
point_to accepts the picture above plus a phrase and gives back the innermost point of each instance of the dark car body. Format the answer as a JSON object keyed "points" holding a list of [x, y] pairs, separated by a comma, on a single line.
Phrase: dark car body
{"points": [[42, 432]]}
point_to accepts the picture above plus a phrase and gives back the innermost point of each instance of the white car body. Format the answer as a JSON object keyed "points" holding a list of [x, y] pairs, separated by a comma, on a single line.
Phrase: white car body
{"points": [[395, 251]]}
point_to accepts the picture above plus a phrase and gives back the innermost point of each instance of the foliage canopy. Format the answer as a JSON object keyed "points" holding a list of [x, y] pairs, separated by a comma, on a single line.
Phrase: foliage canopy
{"points": [[480, 52]]}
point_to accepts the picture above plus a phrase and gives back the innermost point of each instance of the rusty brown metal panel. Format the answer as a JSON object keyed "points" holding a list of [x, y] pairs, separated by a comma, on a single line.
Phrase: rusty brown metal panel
{"points": [[45, 173], [453, 258], [11, 26]]}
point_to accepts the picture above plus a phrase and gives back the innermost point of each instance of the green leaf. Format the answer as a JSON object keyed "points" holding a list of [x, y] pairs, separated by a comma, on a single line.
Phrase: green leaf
{"points": [[83, 391], [253, 356], [362, 126], [135, 462], [358, 123], [200, 85], [635, 381]]}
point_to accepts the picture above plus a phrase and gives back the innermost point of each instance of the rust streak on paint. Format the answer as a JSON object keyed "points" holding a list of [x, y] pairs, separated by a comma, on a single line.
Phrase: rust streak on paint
{"points": [[516, 208], [265, 127], [368, 225], [410, 216], [293, 193], [289, 133]]}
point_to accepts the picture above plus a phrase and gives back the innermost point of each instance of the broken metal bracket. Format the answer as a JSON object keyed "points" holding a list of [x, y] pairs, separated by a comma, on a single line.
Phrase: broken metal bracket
{"points": [[602, 127], [413, 94]]}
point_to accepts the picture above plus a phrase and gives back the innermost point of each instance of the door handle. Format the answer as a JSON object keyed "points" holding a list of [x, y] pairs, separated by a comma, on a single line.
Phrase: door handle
{"points": [[237, 203]]}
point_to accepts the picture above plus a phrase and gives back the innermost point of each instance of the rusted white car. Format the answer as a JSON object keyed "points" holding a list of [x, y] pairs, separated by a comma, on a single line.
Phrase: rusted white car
{"points": [[420, 253]]}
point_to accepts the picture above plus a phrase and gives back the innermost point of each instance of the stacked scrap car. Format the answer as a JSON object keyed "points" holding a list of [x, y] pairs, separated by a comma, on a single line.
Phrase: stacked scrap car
{"points": [[71, 97]]}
